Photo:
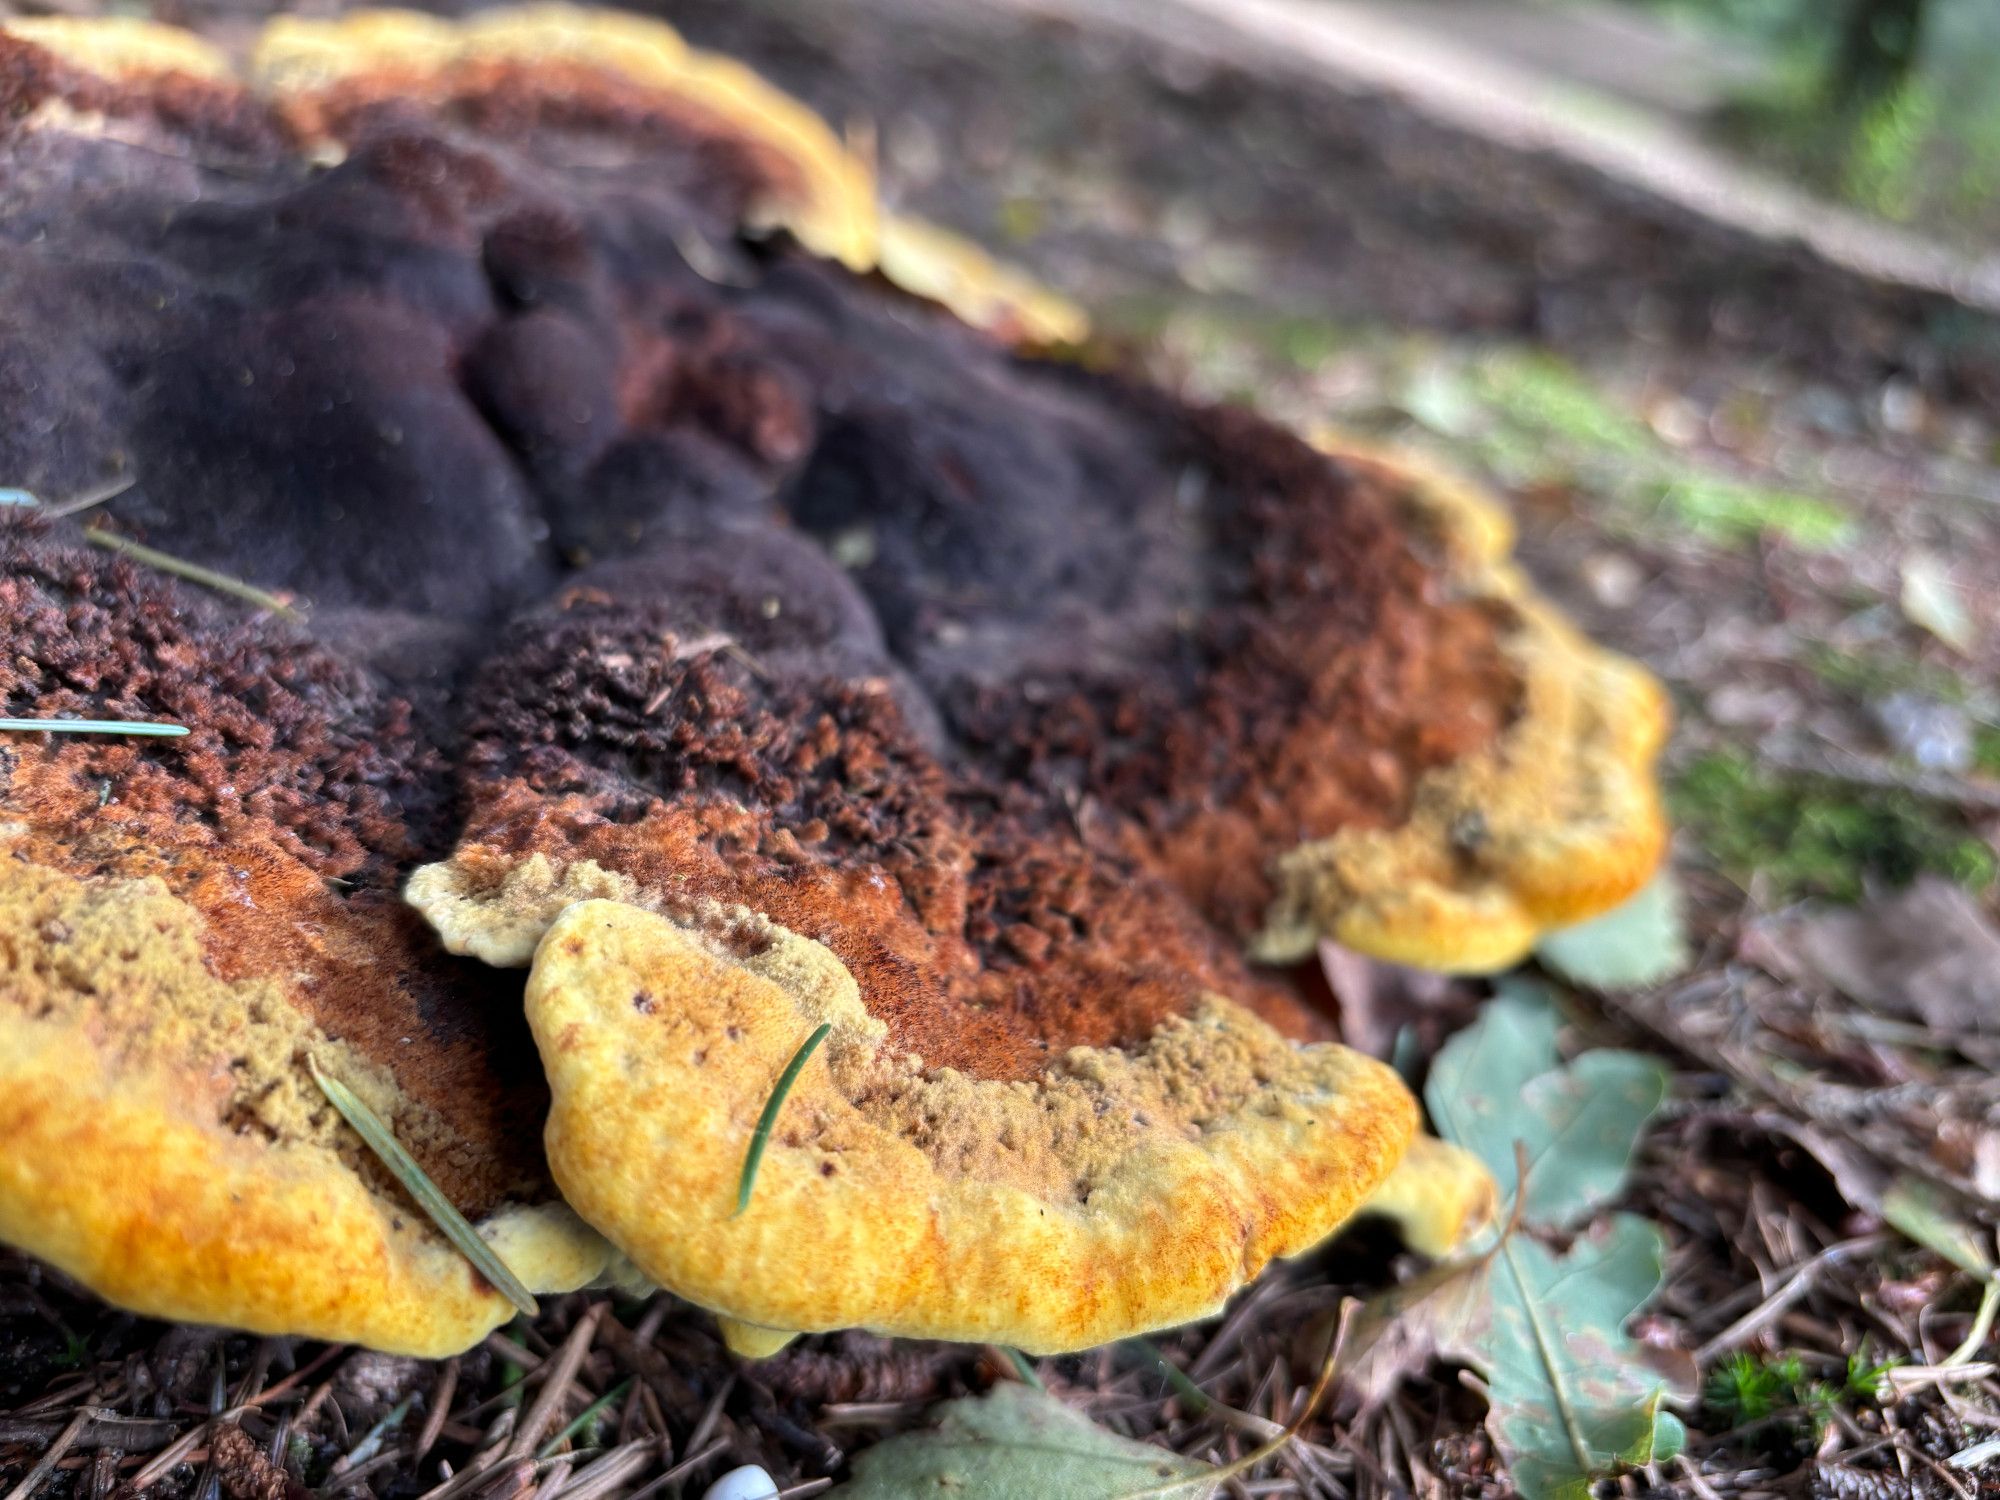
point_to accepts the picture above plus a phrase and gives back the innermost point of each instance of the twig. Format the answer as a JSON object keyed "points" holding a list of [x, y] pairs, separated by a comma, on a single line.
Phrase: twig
{"points": [[685, 1466], [104, 1430], [1789, 1291], [48, 1461], [434, 1419], [1277, 1444], [1210, 1359], [555, 1385], [512, 1353], [372, 1439], [713, 1415], [1836, 763], [612, 1469], [479, 1465], [584, 1418]]}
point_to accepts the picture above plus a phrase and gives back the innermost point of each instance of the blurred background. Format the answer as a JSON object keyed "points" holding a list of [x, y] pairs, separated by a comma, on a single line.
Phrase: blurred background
{"points": [[1889, 106]]}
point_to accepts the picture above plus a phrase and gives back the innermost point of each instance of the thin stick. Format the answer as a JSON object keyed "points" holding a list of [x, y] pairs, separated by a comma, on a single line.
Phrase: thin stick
{"points": [[1217, 1476], [449, 1221], [713, 1415], [46, 1465], [477, 1468], [555, 1386], [1793, 1287], [613, 1469], [166, 562], [512, 1353], [434, 1419], [761, 1136], [372, 1440], [686, 1465]]}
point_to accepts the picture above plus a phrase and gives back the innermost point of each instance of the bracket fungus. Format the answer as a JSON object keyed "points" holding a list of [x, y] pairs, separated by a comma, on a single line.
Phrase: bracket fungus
{"points": [[741, 646], [187, 930]]}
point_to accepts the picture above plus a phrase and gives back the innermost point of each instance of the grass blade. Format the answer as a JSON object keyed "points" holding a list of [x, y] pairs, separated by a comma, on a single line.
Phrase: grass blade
{"points": [[450, 1222], [761, 1137], [95, 726]]}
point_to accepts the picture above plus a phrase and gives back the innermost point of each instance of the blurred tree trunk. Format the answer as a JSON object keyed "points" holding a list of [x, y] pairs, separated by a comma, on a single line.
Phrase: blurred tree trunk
{"points": [[1878, 49]]}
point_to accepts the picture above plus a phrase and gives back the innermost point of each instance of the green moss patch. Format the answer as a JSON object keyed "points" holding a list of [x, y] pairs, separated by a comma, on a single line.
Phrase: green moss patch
{"points": [[1814, 836]]}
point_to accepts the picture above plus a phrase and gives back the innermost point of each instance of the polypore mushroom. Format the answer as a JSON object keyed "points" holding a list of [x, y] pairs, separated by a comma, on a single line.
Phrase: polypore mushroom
{"points": [[1052, 1108], [188, 927], [519, 68], [975, 707]]}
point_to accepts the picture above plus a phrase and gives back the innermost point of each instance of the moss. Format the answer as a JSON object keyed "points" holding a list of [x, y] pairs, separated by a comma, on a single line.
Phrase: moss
{"points": [[1525, 416], [1732, 513], [1986, 749], [1813, 836], [1552, 398], [1866, 676], [1533, 418]]}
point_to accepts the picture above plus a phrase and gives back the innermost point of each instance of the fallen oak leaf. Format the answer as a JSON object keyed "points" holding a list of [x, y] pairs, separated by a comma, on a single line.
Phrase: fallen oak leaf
{"points": [[1929, 952], [1498, 1084], [1570, 1396], [1016, 1440], [1019, 1440], [1444, 1313], [1629, 947]]}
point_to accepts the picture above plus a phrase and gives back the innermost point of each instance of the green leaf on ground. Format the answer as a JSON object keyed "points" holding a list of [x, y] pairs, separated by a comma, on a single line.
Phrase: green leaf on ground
{"points": [[1570, 1396], [1015, 1440], [1637, 944], [1499, 1082]]}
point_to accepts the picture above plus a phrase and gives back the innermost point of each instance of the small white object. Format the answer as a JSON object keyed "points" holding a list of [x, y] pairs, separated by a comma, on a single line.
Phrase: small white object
{"points": [[746, 1483]]}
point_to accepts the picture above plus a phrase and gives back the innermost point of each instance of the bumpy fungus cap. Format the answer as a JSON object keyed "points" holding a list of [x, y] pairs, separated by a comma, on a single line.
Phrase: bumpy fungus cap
{"points": [[1053, 1107], [184, 924], [1126, 1186], [1557, 819], [979, 706], [519, 67]]}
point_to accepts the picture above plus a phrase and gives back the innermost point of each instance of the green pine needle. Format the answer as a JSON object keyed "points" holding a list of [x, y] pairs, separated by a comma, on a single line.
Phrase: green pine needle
{"points": [[95, 726], [761, 1137], [166, 562], [585, 1418], [1023, 1367], [1192, 1396], [450, 1222]]}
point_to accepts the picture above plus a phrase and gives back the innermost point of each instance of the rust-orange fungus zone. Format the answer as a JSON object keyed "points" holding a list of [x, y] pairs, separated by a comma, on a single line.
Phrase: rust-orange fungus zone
{"points": [[722, 639]]}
